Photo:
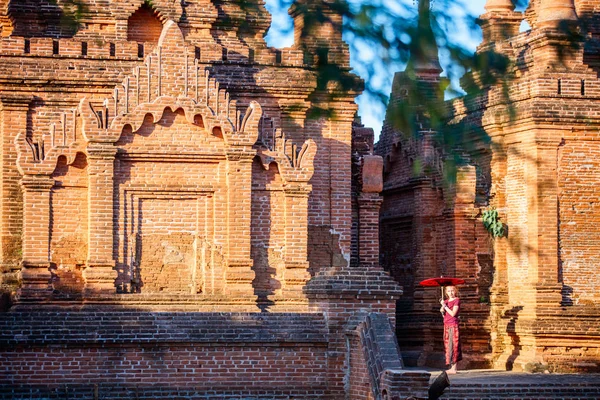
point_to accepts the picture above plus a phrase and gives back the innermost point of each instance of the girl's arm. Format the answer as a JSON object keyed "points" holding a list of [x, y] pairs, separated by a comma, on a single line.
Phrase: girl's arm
{"points": [[452, 312]]}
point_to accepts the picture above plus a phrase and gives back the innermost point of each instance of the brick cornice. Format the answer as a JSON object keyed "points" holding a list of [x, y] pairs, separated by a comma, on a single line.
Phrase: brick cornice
{"points": [[239, 262], [101, 150], [15, 101], [32, 264], [240, 153], [301, 189], [99, 270], [294, 108], [37, 183], [370, 200]]}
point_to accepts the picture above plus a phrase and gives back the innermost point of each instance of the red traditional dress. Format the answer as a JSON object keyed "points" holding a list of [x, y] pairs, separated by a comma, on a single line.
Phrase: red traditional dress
{"points": [[451, 335]]}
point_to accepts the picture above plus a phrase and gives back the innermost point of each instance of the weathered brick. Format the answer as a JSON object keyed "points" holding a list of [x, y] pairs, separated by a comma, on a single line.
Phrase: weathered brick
{"points": [[540, 173], [170, 216]]}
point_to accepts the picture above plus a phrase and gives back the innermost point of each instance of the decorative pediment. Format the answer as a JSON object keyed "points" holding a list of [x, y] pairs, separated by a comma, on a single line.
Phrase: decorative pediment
{"points": [[295, 165], [169, 78], [38, 156], [98, 128]]}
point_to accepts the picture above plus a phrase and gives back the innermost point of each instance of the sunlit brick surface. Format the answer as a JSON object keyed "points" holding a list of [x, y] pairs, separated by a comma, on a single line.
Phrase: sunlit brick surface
{"points": [[172, 222], [530, 298]]}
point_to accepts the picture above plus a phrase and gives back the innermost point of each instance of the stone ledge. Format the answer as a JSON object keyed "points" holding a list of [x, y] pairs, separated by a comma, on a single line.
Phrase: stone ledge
{"points": [[102, 328], [353, 282]]}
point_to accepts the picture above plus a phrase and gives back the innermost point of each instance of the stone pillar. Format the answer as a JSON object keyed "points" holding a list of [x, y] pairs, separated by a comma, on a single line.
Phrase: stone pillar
{"points": [[238, 273], [35, 273], [368, 229], [463, 221], [369, 202], [542, 192], [425, 262], [339, 136], [296, 272], [499, 289], [100, 271], [499, 5], [540, 295]]}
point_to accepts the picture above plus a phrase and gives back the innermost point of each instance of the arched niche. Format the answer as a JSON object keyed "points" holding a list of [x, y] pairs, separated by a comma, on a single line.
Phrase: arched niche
{"points": [[144, 25]]}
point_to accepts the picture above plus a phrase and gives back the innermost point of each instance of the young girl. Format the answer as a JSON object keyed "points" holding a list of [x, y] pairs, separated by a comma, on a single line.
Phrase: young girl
{"points": [[450, 309]]}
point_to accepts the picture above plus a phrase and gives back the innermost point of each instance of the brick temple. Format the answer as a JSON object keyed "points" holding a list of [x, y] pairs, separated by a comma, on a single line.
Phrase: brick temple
{"points": [[172, 221], [176, 222], [531, 299]]}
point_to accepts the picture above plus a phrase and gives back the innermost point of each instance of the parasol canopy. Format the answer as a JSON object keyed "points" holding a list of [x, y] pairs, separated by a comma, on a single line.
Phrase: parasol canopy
{"points": [[442, 281]]}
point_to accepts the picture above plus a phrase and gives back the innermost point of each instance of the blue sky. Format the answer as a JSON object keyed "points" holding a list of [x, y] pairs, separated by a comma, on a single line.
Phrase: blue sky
{"points": [[371, 110]]}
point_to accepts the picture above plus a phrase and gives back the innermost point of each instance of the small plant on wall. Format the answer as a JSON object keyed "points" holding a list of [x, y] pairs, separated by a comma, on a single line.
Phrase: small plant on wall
{"points": [[492, 223]]}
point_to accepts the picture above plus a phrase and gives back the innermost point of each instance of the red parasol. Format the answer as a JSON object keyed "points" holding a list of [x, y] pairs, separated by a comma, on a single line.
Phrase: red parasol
{"points": [[442, 281]]}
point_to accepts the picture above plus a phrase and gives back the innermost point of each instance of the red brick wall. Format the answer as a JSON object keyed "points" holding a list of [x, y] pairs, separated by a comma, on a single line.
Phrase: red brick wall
{"points": [[517, 221], [159, 138], [380, 372], [211, 354], [328, 210], [251, 368], [578, 204], [14, 116], [358, 380]]}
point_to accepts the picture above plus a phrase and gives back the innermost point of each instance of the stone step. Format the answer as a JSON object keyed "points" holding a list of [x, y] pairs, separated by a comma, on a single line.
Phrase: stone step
{"points": [[494, 384], [524, 391]]}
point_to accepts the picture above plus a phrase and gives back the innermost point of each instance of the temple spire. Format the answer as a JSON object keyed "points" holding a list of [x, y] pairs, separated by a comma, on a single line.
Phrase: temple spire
{"points": [[499, 6], [498, 23], [554, 13], [424, 50]]}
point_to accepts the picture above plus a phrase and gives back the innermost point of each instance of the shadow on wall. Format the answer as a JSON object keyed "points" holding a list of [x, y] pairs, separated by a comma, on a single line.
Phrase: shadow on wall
{"points": [[33, 19], [515, 343], [5, 301], [590, 22]]}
